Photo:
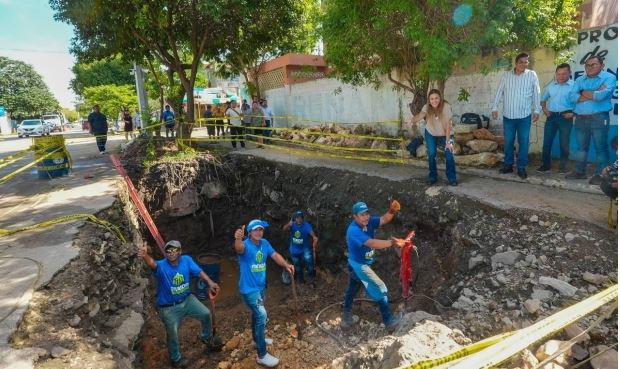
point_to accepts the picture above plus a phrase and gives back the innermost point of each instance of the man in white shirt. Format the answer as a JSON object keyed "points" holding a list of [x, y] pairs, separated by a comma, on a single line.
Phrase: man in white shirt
{"points": [[234, 116], [519, 92], [268, 113]]}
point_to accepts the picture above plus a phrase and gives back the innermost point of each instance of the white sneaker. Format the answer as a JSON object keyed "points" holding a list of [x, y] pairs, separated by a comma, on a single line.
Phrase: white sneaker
{"points": [[268, 360], [101, 152]]}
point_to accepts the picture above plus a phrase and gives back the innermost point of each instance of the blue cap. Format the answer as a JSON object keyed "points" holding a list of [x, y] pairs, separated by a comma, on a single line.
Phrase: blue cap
{"points": [[298, 214], [360, 207], [256, 223]]}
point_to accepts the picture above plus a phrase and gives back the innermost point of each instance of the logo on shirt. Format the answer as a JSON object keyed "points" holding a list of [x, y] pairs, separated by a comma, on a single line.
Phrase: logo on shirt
{"points": [[259, 257], [179, 285], [297, 240], [369, 254]]}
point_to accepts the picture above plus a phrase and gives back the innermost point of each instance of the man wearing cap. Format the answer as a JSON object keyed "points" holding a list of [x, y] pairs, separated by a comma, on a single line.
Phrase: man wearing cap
{"points": [[175, 300], [301, 232], [361, 246], [253, 253]]}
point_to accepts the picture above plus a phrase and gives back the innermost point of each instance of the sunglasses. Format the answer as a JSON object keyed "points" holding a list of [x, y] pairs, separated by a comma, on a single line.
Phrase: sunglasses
{"points": [[172, 251]]}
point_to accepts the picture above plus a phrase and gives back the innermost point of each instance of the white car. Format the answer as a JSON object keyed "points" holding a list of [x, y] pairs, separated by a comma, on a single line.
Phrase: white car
{"points": [[32, 127], [55, 120]]}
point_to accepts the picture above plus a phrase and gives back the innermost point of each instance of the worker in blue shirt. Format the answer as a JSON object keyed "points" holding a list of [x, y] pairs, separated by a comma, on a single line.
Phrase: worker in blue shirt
{"points": [[300, 247], [175, 300], [558, 108], [361, 246], [253, 252], [592, 94]]}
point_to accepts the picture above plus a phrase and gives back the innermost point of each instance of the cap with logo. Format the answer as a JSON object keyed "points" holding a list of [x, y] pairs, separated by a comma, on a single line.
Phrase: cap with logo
{"points": [[360, 207]]}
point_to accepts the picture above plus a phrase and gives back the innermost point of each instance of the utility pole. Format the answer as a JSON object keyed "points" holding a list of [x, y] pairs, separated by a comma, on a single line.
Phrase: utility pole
{"points": [[142, 100]]}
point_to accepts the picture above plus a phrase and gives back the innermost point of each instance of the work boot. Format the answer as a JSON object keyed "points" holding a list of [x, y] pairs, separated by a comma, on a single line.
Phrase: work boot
{"points": [[268, 360], [575, 175], [394, 322], [596, 180], [505, 170], [213, 343], [348, 320]]}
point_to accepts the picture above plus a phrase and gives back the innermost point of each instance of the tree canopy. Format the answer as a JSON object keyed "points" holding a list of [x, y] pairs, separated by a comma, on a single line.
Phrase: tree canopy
{"points": [[100, 72], [414, 42], [263, 30], [110, 98], [23, 91]]}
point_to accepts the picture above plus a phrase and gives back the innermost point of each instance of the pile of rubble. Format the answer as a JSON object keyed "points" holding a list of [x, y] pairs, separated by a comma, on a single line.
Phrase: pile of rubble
{"points": [[91, 313]]}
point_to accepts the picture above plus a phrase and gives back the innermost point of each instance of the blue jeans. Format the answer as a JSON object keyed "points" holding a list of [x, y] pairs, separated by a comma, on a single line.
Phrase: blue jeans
{"points": [[101, 139], [431, 150], [304, 259], [361, 274], [555, 122], [255, 301], [594, 126], [172, 317], [519, 129]]}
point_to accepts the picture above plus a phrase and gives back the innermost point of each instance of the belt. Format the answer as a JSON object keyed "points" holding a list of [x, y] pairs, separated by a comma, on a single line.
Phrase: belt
{"points": [[592, 115], [174, 303]]}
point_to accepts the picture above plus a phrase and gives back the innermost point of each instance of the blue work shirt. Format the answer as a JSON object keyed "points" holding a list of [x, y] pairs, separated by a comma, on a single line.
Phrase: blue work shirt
{"points": [[253, 265], [357, 236], [173, 281], [168, 117], [557, 96], [300, 238], [601, 102]]}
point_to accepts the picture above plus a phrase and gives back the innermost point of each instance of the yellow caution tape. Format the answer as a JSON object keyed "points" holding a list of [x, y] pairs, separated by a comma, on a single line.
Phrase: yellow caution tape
{"points": [[324, 146], [515, 342], [15, 156], [16, 172], [65, 219]]}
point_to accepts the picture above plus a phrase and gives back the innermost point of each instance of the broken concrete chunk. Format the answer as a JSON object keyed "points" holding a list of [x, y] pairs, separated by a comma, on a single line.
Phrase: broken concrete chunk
{"points": [[549, 348], [528, 360], [608, 359], [534, 218], [575, 330], [569, 237], [532, 305], [542, 295], [565, 289], [475, 261], [596, 279], [128, 331], [505, 258], [59, 351]]}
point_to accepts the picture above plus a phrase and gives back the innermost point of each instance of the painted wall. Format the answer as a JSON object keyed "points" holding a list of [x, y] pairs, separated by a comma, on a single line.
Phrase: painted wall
{"points": [[318, 101]]}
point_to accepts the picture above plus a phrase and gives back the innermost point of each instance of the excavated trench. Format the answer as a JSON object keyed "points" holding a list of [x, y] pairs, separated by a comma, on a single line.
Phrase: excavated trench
{"points": [[247, 187], [219, 195]]}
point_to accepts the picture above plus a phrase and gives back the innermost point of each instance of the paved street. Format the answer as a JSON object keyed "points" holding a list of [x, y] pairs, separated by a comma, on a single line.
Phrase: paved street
{"points": [[29, 260]]}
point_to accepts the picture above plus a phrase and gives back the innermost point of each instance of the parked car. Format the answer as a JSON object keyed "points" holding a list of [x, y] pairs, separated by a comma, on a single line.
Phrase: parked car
{"points": [[57, 121], [32, 127]]}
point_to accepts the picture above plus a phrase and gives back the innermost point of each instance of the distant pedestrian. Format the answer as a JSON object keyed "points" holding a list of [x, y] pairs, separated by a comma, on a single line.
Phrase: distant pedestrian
{"points": [[175, 300], [592, 94], [253, 252], [208, 115], [361, 246], [236, 128], [438, 131], [269, 122], [302, 243], [98, 124], [167, 117], [258, 120], [519, 92], [127, 124], [137, 120], [219, 122], [557, 107]]}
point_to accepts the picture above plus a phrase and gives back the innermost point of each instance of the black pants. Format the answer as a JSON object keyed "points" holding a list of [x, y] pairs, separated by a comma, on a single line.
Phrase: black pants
{"points": [[236, 133], [101, 139]]}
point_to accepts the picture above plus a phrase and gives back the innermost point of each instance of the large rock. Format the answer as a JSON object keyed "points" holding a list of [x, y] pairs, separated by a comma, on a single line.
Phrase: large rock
{"points": [[549, 348], [532, 306], [575, 330], [426, 340], [565, 289], [462, 138], [475, 261], [482, 145], [213, 190], [420, 152], [181, 203], [128, 331], [485, 159], [528, 360], [607, 360], [379, 145], [505, 258], [542, 295], [464, 128], [484, 134], [596, 279]]}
